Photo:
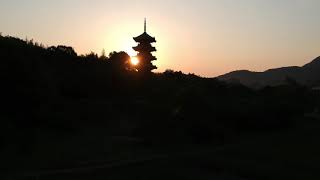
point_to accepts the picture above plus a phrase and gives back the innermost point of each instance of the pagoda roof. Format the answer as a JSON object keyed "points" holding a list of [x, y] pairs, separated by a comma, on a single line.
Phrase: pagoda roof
{"points": [[144, 47], [145, 37], [147, 56]]}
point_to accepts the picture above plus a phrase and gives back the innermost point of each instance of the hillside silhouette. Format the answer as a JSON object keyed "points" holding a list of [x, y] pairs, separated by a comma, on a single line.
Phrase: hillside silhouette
{"points": [[308, 75], [61, 109]]}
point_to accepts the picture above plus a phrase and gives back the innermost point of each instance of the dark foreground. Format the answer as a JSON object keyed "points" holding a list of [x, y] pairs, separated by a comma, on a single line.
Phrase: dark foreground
{"points": [[286, 155], [69, 116]]}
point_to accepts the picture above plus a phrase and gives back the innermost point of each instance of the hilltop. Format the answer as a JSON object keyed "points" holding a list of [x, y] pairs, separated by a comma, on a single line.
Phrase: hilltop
{"points": [[308, 75]]}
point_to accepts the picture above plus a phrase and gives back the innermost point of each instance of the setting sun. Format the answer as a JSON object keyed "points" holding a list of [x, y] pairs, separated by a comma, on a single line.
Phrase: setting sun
{"points": [[134, 61]]}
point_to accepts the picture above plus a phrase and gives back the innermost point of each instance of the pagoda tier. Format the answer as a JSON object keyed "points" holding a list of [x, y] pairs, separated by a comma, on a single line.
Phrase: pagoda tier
{"points": [[146, 56], [145, 37], [144, 47], [147, 67]]}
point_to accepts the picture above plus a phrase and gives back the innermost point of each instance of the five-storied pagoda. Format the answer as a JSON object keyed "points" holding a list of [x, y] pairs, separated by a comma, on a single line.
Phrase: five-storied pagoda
{"points": [[145, 50]]}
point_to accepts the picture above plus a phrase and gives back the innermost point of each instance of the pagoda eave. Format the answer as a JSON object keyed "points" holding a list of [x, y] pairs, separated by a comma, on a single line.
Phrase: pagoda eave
{"points": [[148, 49], [145, 38], [139, 40]]}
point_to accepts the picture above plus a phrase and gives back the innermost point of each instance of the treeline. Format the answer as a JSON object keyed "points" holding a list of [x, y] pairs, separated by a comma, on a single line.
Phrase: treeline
{"points": [[38, 82], [54, 90]]}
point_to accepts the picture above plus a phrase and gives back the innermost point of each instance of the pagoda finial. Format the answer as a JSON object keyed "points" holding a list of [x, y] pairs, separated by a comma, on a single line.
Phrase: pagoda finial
{"points": [[145, 24]]}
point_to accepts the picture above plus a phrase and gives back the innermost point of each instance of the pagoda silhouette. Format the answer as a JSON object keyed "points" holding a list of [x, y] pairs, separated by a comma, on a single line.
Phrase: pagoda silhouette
{"points": [[145, 49]]}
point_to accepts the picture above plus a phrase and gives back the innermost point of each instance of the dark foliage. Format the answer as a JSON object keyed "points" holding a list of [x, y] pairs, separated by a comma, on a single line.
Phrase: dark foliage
{"points": [[55, 91]]}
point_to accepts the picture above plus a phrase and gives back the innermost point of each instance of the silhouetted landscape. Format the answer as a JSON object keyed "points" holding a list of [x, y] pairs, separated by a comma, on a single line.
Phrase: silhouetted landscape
{"points": [[70, 116], [307, 75]]}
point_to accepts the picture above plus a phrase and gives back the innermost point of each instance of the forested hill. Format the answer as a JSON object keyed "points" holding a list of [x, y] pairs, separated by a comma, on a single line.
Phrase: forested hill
{"points": [[308, 75]]}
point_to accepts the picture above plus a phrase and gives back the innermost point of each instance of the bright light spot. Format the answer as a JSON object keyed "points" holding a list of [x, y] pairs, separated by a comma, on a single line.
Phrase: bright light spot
{"points": [[134, 61], [130, 51]]}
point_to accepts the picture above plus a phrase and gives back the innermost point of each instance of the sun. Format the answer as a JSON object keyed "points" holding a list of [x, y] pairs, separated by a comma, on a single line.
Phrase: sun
{"points": [[134, 61]]}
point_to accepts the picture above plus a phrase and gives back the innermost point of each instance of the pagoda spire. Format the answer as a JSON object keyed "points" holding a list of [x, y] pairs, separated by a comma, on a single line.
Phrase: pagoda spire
{"points": [[145, 25]]}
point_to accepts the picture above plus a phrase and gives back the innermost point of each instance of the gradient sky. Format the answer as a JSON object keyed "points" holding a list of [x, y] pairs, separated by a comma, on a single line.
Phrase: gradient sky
{"points": [[205, 37]]}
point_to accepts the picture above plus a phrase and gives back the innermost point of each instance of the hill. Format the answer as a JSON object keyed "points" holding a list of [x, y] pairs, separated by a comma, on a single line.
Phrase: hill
{"points": [[308, 74], [62, 110]]}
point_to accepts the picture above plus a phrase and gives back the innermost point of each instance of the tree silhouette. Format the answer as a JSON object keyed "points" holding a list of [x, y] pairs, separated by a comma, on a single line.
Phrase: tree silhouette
{"points": [[119, 61], [63, 50]]}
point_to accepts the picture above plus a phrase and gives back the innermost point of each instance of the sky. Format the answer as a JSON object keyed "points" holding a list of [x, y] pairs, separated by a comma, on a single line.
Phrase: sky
{"points": [[204, 37]]}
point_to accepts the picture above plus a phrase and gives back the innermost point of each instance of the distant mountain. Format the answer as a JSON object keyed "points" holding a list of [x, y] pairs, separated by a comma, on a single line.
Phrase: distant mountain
{"points": [[308, 74]]}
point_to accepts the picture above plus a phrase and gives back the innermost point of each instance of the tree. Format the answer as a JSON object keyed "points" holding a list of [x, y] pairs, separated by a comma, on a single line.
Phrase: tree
{"points": [[120, 61], [103, 55], [67, 50], [63, 50], [92, 56]]}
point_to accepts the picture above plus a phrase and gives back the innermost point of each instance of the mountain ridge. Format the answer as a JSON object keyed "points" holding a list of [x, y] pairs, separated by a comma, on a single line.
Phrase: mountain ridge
{"points": [[308, 74]]}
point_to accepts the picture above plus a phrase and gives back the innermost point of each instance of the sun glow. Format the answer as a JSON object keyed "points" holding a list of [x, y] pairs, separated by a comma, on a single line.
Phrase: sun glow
{"points": [[134, 60]]}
